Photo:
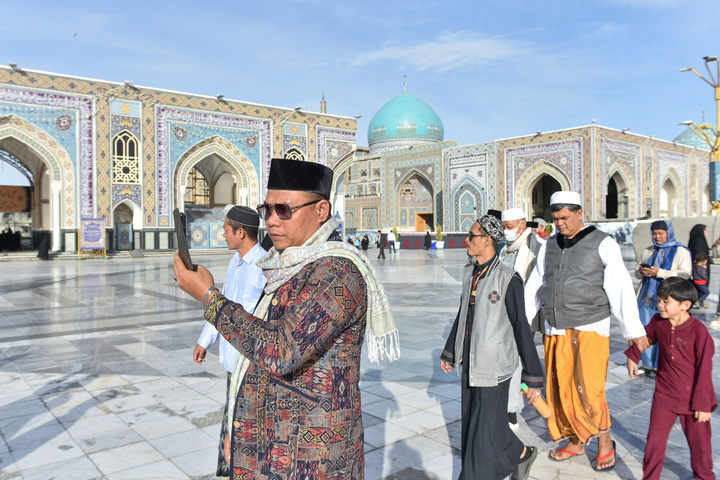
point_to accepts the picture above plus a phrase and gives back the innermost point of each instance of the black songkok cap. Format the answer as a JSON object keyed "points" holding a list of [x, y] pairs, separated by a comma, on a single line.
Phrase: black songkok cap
{"points": [[659, 225], [244, 216], [300, 176], [495, 213]]}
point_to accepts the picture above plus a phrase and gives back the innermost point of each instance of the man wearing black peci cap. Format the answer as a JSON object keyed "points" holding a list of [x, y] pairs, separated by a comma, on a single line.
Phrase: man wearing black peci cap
{"points": [[244, 282], [298, 413]]}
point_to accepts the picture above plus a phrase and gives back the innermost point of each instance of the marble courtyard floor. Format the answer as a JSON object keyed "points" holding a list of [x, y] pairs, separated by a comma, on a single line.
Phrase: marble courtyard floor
{"points": [[97, 378]]}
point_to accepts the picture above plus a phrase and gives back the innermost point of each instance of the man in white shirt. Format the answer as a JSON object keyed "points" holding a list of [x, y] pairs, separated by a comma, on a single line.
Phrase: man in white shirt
{"points": [[520, 253], [391, 242], [579, 280], [244, 283]]}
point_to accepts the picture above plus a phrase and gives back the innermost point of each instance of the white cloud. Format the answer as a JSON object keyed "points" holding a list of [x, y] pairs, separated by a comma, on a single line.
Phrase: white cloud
{"points": [[450, 51]]}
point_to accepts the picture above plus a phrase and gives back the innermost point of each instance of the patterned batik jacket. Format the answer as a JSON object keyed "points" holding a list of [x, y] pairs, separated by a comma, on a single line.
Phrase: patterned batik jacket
{"points": [[298, 413]]}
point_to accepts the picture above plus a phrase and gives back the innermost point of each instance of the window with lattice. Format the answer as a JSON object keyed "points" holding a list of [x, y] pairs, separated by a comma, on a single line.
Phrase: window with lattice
{"points": [[197, 191], [295, 154], [126, 158]]}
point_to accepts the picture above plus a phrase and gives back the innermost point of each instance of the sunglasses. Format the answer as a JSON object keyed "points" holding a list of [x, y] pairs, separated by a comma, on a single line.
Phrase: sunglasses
{"points": [[283, 210], [471, 235]]}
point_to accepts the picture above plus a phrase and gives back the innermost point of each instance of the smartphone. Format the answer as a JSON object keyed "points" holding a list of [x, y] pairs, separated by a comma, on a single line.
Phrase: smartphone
{"points": [[645, 265], [182, 241]]}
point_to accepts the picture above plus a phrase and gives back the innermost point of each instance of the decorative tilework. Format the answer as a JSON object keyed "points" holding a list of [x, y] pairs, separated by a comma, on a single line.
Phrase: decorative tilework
{"points": [[675, 166], [622, 157], [398, 165], [143, 102], [471, 164], [294, 129], [245, 174], [124, 236], [77, 142], [200, 126], [565, 156], [53, 152], [125, 123], [217, 236], [468, 203], [121, 192], [125, 108], [648, 181], [330, 154], [370, 217], [198, 235], [299, 143]]}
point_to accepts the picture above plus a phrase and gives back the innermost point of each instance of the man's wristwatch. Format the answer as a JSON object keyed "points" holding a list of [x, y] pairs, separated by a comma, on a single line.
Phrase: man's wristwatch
{"points": [[207, 294]]}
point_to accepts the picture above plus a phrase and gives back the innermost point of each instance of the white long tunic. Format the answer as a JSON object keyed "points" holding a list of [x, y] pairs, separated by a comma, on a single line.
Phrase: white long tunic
{"points": [[616, 283]]}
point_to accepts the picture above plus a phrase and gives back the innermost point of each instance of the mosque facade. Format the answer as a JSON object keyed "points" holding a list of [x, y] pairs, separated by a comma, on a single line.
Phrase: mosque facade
{"points": [[413, 179], [129, 155]]}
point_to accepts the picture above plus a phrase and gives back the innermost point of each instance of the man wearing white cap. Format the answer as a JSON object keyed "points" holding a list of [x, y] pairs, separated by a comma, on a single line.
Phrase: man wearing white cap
{"points": [[520, 254], [579, 279]]}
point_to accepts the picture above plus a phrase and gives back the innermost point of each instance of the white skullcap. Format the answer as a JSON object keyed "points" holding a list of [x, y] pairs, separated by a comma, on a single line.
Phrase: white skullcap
{"points": [[513, 214], [568, 198], [540, 221]]}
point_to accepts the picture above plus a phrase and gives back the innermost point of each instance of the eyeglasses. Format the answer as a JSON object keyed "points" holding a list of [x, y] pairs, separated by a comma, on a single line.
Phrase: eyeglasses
{"points": [[283, 210], [471, 235]]}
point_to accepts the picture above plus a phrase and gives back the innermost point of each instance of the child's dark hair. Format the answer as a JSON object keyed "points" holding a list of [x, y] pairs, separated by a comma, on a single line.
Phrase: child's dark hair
{"points": [[678, 289], [700, 257]]}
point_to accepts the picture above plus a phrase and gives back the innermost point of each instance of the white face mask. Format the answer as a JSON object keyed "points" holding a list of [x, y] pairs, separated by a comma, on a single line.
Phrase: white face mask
{"points": [[511, 235]]}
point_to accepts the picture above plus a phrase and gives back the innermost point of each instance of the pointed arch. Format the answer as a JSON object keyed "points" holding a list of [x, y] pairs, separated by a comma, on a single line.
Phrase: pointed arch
{"points": [[408, 216], [237, 162], [466, 188], [295, 154], [675, 205], [63, 187], [136, 211], [523, 189], [626, 174], [340, 167]]}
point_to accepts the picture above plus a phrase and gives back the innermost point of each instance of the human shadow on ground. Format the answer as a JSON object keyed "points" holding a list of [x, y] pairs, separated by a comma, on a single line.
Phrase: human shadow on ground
{"points": [[387, 438], [40, 402]]}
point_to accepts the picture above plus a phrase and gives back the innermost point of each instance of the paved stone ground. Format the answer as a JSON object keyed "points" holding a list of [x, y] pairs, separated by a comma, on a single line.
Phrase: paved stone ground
{"points": [[97, 380]]}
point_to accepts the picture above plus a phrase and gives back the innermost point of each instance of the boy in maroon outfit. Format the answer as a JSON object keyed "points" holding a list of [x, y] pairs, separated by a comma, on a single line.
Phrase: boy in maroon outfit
{"points": [[683, 386]]}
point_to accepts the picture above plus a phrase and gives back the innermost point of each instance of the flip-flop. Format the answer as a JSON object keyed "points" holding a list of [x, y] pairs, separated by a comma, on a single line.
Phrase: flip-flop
{"points": [[562, 451], [603, 458]]}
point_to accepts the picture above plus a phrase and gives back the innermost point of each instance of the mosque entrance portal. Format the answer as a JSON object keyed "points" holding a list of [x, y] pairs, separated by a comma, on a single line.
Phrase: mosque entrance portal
{"points": [[28, 213], [210, 185], [416, 208], [616, 201], [542, 190]]}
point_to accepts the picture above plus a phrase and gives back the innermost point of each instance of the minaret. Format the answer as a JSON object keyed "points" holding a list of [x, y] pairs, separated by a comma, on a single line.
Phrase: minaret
{"points": [[323, 104]]}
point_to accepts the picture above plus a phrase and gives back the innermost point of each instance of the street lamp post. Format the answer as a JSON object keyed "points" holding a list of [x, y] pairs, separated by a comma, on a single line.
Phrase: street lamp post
{"points": [[710, 134]]}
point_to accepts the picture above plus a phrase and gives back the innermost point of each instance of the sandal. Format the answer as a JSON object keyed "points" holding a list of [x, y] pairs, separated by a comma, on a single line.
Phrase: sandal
{"points": [[561, 451], [601, 459]]}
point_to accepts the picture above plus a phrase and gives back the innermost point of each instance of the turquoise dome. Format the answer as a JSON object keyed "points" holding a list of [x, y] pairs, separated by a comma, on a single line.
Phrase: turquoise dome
{"points": [[405, 120], [692, 139]]}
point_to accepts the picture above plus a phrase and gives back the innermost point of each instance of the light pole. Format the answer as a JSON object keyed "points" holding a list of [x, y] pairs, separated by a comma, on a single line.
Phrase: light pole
{"points": [[710, 134]]}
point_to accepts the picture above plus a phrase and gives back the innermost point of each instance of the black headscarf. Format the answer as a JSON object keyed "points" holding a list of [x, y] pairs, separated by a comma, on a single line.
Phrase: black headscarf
{"points": [[698, 242]]}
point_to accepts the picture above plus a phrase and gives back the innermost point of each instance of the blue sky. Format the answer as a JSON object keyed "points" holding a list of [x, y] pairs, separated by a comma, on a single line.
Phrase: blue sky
{"points": [[491, 69]]}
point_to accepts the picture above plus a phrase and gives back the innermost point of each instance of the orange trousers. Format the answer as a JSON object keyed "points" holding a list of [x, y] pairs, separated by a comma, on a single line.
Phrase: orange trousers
{"points": [[576, 364]]}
